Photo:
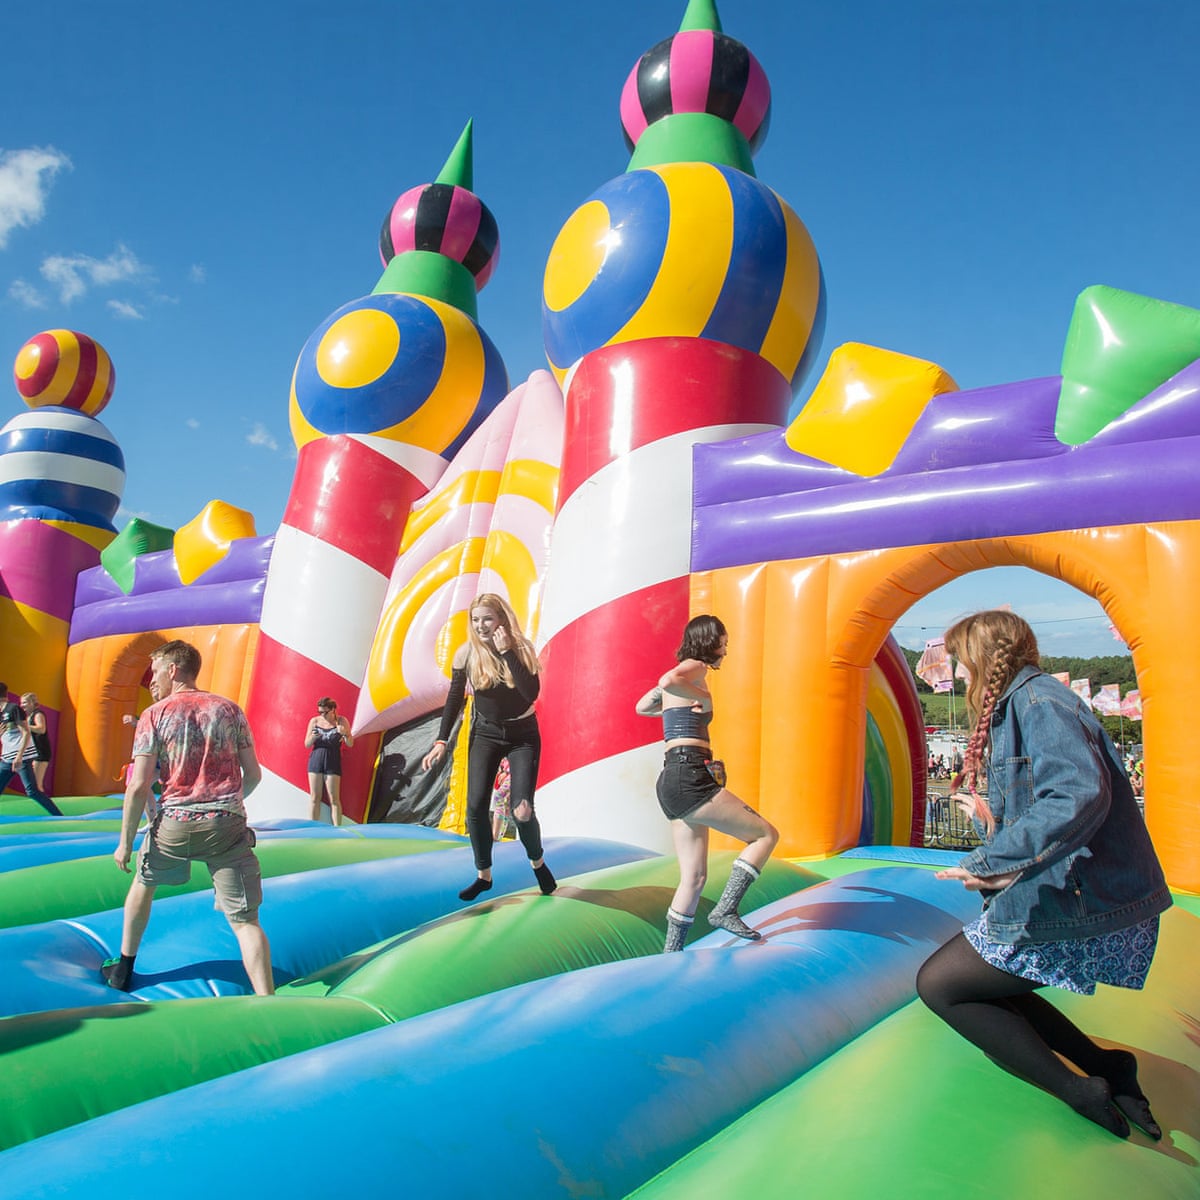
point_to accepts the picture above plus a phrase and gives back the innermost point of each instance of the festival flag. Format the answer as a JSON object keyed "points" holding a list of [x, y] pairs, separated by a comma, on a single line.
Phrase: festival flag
{"points": [[1107, 701], [1131, 706], [1082, 688], [1116, 634], [934, 666]]}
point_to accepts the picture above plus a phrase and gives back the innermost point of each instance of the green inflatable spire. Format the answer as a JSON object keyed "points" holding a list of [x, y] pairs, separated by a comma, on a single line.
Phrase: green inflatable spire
{"points": [[459, 169], [426, 272], [692, 136], [701, 14]]}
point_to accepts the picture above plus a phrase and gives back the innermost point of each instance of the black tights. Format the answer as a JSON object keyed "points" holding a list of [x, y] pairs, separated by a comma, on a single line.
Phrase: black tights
{"points": [[519, 742], [1022, 1032]]}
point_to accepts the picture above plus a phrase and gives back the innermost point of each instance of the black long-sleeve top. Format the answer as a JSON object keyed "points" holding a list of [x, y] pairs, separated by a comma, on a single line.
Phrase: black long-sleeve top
{"points": [[495, 704]]}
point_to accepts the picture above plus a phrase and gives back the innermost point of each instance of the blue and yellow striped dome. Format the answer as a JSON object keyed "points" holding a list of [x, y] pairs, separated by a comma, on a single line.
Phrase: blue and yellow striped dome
{"points": [[683, 250], [407, 368]]}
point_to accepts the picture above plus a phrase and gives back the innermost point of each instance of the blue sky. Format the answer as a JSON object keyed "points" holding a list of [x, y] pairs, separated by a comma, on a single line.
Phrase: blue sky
{"points": [[199, 187]]}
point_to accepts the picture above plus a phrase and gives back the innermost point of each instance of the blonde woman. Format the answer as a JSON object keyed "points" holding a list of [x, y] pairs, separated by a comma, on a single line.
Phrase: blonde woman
{"points": [[323, 739], [1072, 889], [40, 734], [501, 667]]}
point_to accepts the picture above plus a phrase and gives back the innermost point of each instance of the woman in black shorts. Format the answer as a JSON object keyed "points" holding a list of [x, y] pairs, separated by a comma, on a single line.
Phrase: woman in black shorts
{"points": [[323, 739], [691, 788]]}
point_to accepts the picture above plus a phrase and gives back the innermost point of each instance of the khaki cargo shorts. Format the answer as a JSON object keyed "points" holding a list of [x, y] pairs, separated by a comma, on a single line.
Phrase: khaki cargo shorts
{"points": [[225, 844]]}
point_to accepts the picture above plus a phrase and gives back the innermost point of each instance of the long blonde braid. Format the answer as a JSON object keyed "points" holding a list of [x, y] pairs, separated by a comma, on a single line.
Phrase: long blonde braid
{"points": [[994, 646]]}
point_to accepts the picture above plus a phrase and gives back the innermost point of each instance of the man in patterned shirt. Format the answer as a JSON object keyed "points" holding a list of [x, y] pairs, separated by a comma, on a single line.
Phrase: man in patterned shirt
{"points": [[199, 746]]}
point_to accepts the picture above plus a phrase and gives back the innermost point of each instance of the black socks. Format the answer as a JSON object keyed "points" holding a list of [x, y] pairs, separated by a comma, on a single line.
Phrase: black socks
{"points": [[118, 972], [1119, 1070], [542, 874], [480, 885]]}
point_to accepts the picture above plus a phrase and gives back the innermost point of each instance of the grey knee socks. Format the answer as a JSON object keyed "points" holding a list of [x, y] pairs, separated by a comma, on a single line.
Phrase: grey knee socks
{"points": [[725, 913], [678, 925]]}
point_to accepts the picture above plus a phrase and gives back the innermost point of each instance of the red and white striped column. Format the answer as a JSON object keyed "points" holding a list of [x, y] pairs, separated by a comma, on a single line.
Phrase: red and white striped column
{"points": [[616, 598], [330, 565]]}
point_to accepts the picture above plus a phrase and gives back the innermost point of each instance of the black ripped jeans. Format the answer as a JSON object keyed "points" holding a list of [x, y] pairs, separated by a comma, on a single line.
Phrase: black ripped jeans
{"points": [[520, 742]]}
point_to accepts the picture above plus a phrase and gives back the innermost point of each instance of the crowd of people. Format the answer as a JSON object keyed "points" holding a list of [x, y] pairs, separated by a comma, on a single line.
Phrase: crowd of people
{"points": [[1070, 885]]}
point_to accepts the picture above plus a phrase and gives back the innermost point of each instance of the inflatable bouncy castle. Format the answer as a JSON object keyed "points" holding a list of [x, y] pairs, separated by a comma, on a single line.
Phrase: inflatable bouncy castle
{"points": [[674, 458]]}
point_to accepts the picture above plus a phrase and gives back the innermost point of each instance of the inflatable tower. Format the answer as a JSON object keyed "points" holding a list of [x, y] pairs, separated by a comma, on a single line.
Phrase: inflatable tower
{"points": [[682, 304], [384, 393]]}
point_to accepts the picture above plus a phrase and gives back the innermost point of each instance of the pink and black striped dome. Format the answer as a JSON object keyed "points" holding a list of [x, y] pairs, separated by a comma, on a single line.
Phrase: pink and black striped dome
{"points": [[445, 219], [697, 71]]}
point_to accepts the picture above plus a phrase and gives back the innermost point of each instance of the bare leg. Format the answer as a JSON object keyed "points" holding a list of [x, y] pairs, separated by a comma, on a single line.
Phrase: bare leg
{"points": [[137, 916], [256, 956], [691, 848], [727, 814], [316, 785], [39, 774], [333, 785]]}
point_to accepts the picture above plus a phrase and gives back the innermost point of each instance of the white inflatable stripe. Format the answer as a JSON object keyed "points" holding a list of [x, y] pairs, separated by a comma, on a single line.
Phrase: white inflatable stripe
{"points": [[423, 464], [627, 527], [19, 465], [274, 798], [322, 603], [611, 798], [69, 422]]}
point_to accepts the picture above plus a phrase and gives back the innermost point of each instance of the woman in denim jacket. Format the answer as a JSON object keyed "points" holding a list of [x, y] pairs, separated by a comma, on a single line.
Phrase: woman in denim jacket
{"points": [[1072, 889]]}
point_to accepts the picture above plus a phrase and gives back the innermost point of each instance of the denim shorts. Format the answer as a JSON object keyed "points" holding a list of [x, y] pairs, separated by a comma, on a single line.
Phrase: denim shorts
{"points": [[224, 844], [685, 783]]}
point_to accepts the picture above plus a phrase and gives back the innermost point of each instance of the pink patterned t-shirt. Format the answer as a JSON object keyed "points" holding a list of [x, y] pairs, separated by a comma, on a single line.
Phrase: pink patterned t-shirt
{"points": [[195, 737]]}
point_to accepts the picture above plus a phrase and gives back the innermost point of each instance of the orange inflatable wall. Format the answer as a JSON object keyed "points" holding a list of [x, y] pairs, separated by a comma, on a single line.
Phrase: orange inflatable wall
{"points": [[102, 685], [791, 700]]}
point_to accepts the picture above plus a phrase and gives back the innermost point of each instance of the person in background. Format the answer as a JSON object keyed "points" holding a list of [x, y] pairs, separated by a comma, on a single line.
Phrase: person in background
{"points": [[16, 753], [500, 664], [323, 739], [501, 807], [201, 746], [40, 733], [691, 789], [1072, 889]]}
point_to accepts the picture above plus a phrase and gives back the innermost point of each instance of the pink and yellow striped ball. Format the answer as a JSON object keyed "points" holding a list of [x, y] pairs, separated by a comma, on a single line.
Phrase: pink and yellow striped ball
{"points": [[61, 367]]}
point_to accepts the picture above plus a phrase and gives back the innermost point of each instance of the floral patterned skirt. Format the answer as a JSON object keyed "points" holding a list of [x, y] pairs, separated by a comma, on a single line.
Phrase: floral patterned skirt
{"points": [[1121, 958]]}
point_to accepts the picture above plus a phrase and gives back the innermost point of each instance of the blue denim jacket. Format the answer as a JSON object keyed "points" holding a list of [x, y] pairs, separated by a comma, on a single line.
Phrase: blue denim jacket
{"points": [[1065, 818]]}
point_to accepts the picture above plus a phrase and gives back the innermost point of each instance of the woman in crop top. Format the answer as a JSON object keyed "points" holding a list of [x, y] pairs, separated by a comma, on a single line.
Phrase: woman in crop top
{"points": [[324, 737], [691, 788], [501, 666]]}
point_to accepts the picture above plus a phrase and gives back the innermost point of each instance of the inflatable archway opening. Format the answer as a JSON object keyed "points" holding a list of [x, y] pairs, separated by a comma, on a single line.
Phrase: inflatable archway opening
{"points": [[820, 623]]}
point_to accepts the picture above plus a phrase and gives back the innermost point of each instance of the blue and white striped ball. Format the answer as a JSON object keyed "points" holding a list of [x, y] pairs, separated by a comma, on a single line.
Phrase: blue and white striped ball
{"points": [[56, 464]]}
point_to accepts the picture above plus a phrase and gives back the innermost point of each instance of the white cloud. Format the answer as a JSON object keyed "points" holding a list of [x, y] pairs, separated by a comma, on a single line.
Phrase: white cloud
{"points": [[26, 294], [192, 423], [74, 274], [198, 274], [260, 436], [25, 178], [123, 308]]}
